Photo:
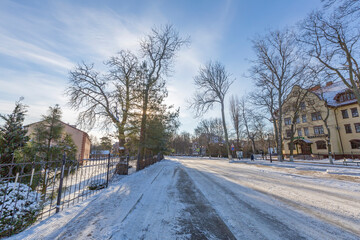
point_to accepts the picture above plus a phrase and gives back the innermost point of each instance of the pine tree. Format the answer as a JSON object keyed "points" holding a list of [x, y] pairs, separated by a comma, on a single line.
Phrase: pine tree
{"points": [[12, 133], [67, 146], [48, 134]]}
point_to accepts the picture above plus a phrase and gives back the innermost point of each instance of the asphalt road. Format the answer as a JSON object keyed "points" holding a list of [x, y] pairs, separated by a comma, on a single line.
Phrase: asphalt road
{"points": [[262, 202]]}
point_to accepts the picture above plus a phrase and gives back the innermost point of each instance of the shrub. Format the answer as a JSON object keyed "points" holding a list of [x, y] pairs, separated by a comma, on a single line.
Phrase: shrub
{"points": [[97, 184], [19, 206]]}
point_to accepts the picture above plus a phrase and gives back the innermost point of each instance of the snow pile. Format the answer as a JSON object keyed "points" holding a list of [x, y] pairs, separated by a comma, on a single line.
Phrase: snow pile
{"points": [[19, 207]]}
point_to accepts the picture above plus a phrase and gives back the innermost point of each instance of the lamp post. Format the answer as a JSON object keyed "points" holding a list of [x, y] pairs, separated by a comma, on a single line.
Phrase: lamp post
{"points": [[269, 147]]}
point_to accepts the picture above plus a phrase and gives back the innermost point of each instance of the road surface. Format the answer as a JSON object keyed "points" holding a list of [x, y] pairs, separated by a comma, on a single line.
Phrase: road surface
{"points": [[196, 198]]}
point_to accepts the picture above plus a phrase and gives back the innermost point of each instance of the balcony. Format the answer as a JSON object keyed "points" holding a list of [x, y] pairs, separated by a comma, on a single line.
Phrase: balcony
{"points": [[318, 136]]}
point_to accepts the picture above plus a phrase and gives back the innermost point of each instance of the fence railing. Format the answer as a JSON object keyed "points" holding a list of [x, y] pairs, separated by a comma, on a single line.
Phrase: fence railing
{"points": [[319, 156], [38, 189]]}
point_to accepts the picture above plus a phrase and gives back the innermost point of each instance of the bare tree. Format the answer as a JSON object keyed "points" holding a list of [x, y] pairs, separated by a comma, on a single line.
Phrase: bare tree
{"points": [[324, 110], [210, 132], [334, 42], [278, 66], [204, 133], [235, 117], [181, 143], [250, 121], [212, 82], [343, 8], [266, 100], [104, 98], [296, 101], [158, 50]]}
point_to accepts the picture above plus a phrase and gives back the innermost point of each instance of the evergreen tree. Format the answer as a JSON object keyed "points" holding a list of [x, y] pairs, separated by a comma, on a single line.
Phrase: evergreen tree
{"points": [[12, 133], [162, 124], [105, 143], [67, 146], [48, 134]]}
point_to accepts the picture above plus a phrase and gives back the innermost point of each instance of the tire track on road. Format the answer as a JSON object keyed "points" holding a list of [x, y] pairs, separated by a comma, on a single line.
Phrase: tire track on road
{"points": [[346, 224]]}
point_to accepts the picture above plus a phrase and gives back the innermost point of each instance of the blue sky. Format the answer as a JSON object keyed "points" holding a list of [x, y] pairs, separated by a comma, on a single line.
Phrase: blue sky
{"points": [[40, 41]]}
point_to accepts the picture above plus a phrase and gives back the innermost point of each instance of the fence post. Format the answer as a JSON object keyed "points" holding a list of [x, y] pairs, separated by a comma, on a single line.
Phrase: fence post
{"points": [[108, 171], [58, 203], [127, 164]]}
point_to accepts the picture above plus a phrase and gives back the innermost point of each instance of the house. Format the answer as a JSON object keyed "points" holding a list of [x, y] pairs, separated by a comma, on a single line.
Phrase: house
{"points": [[332, 105], [81, 139]]}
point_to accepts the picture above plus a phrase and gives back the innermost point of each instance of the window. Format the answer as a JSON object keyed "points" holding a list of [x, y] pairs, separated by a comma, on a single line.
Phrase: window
{"points": [[288, 133], [297, 120], [302, 106], [287, 121], [299, 132], [357, 127], [348, 128], [344, 114], [320, 145], [304, 120], [318, 130], [306, 131], [316, 116], [355, 144], [354, 112], [346, 97]]}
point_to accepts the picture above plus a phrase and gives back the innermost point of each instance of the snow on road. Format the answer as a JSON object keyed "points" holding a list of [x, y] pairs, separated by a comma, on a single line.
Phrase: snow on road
{"points": [[194, 198]]}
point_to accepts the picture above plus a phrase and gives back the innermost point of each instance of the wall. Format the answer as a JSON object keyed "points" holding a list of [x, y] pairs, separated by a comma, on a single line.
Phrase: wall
{"points": [[80, 138], [346, 137]]}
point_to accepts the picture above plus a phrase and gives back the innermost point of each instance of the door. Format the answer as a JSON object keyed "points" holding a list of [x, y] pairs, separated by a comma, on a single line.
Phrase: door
{"points": [[305, 148]]}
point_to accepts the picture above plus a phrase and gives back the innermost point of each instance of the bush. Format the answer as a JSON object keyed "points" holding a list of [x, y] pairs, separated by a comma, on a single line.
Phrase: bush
{"points": [[97, 184], [20, 206]]}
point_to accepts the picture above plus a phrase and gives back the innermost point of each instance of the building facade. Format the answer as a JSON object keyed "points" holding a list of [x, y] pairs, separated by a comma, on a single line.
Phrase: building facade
{"points": [[81, 139], [322, 116]]}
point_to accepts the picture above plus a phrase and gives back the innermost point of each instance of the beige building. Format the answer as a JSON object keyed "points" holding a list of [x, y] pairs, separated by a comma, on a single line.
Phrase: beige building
{"points": [[333, 104], [81, 139]]}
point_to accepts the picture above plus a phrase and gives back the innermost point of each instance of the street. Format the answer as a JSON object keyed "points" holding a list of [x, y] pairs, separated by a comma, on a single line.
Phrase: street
{"points": [[199, 198]]}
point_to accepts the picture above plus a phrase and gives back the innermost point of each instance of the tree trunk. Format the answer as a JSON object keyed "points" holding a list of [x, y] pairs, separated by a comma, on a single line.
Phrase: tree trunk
{"points": [[121, 137], [280, 140], [276, 132], [292, 143], [253, 145], [141, 151], [225, 129], [328, 142]]}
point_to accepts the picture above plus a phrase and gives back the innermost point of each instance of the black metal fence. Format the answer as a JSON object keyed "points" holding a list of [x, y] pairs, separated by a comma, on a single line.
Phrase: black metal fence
{"points": [[35, 190]]}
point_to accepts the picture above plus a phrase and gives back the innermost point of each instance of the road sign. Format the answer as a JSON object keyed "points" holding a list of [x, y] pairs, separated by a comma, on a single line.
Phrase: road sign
{"points": [[232, 147]]}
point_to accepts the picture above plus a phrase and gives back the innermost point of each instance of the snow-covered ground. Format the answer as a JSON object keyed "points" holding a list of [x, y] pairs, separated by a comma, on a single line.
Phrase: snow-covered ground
{"points": [[199, 198]]}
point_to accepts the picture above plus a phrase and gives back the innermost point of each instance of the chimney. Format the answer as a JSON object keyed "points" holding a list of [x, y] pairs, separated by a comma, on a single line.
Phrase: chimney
{"points": [[329, 83], [315, 88]]}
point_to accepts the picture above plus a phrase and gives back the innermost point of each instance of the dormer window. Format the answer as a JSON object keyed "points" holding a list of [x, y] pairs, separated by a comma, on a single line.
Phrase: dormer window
{"points": [[346, 96]]}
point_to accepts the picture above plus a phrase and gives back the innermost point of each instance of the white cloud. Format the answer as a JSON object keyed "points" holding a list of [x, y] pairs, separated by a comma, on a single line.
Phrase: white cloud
{"points": [[68, 33], [25, 51]]}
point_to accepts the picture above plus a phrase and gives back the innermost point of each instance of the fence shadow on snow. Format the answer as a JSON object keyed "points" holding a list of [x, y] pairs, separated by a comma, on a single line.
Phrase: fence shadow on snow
{"points": [[31, 191]]}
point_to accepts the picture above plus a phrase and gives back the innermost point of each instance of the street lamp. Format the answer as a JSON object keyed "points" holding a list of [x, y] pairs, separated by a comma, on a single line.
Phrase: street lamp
{"points": [[269, 147]]}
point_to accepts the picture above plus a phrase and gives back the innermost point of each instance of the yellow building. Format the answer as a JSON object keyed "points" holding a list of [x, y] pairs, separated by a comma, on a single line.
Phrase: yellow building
{"points": [[333, 104], [81, 139]]}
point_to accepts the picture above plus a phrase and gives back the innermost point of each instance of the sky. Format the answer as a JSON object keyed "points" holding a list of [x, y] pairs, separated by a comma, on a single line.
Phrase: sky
{"points": [[41, 41]]}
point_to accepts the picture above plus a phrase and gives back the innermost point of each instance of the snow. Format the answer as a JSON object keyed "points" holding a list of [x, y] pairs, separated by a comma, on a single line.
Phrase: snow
{"points": [[329, 93], [21, 204], [201, 198]]}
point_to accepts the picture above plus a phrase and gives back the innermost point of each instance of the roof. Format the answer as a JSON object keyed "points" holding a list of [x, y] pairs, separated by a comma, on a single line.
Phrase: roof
{"points": [[72, 126], [329, 93], [303, 140]]}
